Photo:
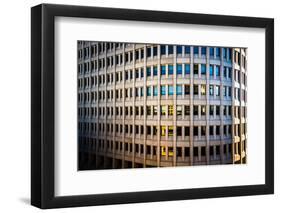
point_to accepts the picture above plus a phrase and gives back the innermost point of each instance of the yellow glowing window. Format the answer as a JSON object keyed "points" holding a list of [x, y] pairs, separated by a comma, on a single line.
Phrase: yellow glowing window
{"points": [[170, 131], [163, 150], [171, 110], [163, 110], [163, 130], [203, 89], [170, 151]]}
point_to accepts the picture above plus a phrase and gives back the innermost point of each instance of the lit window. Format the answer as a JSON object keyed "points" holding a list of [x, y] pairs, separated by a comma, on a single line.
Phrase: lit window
{"points": [[155, 110], [163, 110], [187, 69], [155, 90], [170, 69], [170, 90], [203, 110], [170, 131], [203, 69], [163, 70], [217, 90], [203, 89], [179, 69], [179, 110], [170, 110], [163, 130], [163, 90], [179, 90]]}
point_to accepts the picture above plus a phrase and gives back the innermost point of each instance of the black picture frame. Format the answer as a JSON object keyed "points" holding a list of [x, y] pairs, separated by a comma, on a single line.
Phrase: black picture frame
{"points": [[43, 102]]}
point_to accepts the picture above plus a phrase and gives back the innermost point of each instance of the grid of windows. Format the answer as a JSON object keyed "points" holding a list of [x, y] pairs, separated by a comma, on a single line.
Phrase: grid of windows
{"points": [[123, 103]]}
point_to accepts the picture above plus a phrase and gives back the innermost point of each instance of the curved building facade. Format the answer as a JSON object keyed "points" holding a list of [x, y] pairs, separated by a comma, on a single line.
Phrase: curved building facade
{"points": [[150, 105]]}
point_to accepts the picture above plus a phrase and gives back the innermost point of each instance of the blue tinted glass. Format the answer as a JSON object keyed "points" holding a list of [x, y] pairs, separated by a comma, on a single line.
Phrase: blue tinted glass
{"points": [[196, 50], [155, 71], [187, 49], [203, 69], [148, 71], [163, 70], [179, 69], [170, 49], [170, 69], [217, 71], [187, 69], [212, 51], [224, 52], [211, 70], [163, 90], [218, 52], [179, 89], [203, 50], [170, 90], [141, 72], [179, 49]]}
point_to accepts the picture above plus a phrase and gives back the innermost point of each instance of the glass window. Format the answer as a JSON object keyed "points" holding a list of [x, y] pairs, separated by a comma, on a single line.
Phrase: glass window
{"points": [[163, 130], [163, 49], [203, 89], [217, 70], [163, 69], [217, 88], [148, 71], [211, 70], [218, 53], [155, 90], [195, 69], [195, 110], [170, 110], [186, 89], [179, 49], [195, 90], [141, 91], [211, 89], [141, 71], [203, 50], [170, 69], [148, 91], [187, 49], [179, 132], [148, 52], [155, 110], [212, 52], [179, 110], [186, 132], [163, 110], [203, 110], [170, 131], [179, 89], [148, 110], [187, 110], [179, 69], [155, 70], [203, 69], [155, 51], [196, 50], [187, 69], [211, 110], [170, 49], [203, 133], [224, 50], [170, 90], [163, 90]]}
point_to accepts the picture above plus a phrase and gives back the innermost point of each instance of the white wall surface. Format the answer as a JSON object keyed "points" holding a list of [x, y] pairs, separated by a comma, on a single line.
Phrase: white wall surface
{"points": [[15, 105]]}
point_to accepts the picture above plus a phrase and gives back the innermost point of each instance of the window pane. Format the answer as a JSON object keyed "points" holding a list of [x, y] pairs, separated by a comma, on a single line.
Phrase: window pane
{"points": [[163, 50], [217, 70], [155, 71], [170, 69], [187, 49], [148, 71], [211, 70], [203, 50], [163, 90], [148, 91], [187, 69], [179, 49], [203, 69], [155, 91], [170, 90], [212, 51], [179, 90], [179, 69], [196, 50], [163, 70]]}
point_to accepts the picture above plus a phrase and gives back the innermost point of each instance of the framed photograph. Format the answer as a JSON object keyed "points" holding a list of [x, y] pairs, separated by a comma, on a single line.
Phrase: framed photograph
{"points": [[136, 106]]}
